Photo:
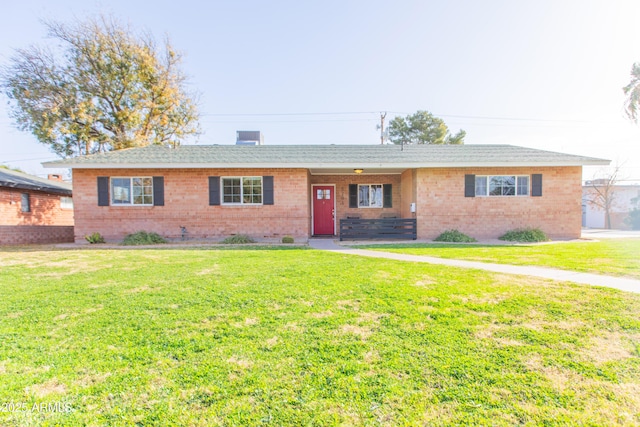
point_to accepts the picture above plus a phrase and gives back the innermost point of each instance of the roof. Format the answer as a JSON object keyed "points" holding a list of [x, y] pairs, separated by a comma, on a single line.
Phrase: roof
{"points": [[14, 179], [326, 158]]}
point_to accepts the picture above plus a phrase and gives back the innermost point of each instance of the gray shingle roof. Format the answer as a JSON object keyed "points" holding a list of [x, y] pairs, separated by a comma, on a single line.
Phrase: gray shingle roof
{"points": [[23, 181], [327, 156]]}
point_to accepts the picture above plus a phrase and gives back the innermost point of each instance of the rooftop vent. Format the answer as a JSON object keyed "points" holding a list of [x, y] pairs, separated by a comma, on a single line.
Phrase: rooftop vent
{"points": [[249, 137]]}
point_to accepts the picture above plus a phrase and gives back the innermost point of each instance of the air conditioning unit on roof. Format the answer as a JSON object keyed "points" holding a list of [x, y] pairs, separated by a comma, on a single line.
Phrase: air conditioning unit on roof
{"points": [[249, 137]]}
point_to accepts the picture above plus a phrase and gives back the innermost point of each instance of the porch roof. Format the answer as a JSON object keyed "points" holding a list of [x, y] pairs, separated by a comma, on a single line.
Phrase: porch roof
{"points": [[324, 159]]}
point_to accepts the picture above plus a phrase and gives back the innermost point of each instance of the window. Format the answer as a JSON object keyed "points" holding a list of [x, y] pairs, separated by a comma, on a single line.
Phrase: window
{"points": [[26, 203], [370, 196], [132, 191], [502, 185], [66, 203], [246, 190]]}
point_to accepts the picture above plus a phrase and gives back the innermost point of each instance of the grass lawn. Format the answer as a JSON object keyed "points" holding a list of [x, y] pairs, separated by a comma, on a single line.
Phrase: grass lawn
{"points": [[619, 257], [298, 337]]}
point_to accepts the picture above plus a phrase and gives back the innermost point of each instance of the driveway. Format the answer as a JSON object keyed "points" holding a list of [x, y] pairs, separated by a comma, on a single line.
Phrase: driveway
{"points": [[601, 233]]}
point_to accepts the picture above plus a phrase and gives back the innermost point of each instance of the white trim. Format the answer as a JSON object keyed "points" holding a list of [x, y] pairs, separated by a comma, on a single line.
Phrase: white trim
{"points": [[222, 202], [130, 178], [369, 185], [68, 201], [335, 214], [503, 195], [355, 174], [307, 165]]}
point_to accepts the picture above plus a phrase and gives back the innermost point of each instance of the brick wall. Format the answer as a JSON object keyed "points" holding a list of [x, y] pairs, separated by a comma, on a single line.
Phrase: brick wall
{"points": [[342, 193], [25, 234], [438, 193], [442, 205], [186, 203], [45, 209], [409, 192]]}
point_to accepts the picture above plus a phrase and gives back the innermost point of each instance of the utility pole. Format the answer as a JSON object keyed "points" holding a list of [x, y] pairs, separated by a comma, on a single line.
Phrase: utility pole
{"points": [[382, 117]]}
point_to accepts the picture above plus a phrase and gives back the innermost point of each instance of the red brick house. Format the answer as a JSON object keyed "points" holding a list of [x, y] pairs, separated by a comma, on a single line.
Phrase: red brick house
{"points": [[34, 210], [269, 191]]}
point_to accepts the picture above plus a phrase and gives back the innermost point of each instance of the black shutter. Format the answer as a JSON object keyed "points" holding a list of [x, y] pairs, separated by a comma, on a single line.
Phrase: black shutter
{"points": [[353, 195], [267, 190], [536, 185], [214, 191], [469, 186], [103, 191], [386, 196], [158, 191]]}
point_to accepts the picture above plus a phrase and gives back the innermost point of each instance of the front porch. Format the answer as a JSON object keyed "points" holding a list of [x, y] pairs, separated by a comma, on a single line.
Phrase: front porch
{"points": [[362, 205]]}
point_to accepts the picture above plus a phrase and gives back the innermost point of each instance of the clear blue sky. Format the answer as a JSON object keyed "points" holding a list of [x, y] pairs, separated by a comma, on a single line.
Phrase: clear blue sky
{"points": [[544, 73]]}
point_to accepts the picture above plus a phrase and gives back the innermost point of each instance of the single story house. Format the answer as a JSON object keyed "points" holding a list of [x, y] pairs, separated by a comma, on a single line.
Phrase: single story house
{"points": [[34, 209], [269, 191]]}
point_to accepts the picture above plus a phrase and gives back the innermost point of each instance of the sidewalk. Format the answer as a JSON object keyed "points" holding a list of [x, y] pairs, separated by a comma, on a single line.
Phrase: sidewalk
{"points": [[625, 284]]}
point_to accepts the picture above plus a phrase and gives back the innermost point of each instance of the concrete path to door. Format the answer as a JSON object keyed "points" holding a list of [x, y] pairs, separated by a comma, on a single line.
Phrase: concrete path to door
{"points": [[622, 283]]}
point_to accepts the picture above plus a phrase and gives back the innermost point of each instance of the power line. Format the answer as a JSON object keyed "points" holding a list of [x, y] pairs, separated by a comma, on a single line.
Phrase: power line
{"points": [[290, 121], [289, 114], [25, 160], [456, 116]]}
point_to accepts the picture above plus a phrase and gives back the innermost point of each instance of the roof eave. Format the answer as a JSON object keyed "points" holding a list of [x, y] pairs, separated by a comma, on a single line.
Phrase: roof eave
{"points": [[44, 189], [309, 165]]}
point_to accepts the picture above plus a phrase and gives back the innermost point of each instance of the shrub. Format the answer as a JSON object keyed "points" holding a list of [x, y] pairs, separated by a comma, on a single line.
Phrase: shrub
{"points": [[287, 239], [143, 238], [94, 238], [525, 235], [238, 239], [454, 236], [633, 220]]}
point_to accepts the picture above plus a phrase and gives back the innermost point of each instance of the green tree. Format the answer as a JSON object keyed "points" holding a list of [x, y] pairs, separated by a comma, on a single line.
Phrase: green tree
{"points": [[422, 128], [106, 88], [632, 91]]}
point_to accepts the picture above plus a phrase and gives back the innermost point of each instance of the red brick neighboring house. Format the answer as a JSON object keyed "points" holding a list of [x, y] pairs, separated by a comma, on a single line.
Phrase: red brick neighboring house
{"points": [[269, 191], [34, 210]]}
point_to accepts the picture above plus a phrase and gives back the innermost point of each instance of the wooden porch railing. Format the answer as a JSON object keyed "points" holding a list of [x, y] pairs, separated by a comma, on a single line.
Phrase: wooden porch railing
{"points": [[383, 228]]}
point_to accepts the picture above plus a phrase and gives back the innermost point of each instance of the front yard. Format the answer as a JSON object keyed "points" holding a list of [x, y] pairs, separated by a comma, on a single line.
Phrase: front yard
{"points": [[302, 337], [619, 257]]}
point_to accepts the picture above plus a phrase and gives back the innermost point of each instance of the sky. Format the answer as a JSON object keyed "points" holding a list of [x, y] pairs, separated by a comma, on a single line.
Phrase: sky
{"points": [[545, 74]]}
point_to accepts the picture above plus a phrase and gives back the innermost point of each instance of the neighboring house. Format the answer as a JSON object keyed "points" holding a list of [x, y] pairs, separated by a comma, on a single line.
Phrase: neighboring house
{"points": [[34, 210], [304, 190], [625, 197]]}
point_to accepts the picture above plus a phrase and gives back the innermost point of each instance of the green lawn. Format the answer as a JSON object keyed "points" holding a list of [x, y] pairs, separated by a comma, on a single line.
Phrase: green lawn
{"points": [[620, 257], [296, 337]]}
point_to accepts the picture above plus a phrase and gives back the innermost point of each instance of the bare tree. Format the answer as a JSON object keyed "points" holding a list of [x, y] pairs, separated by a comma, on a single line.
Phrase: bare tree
{"points": [[602, 192]]}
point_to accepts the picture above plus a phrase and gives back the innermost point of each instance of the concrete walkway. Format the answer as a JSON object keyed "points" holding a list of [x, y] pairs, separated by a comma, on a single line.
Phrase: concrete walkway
{"points": [[629, 285]]}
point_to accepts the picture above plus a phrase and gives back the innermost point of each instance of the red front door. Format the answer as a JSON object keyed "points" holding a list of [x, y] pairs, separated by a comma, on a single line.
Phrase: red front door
{"points": [[323, 210]]}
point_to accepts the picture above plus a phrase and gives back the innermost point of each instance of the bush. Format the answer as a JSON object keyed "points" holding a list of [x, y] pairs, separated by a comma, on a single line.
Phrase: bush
{"points": [[143, 238], [94, 238], [525, 235], [238, 239], [633, 220], [287, 239], [454, 236]]}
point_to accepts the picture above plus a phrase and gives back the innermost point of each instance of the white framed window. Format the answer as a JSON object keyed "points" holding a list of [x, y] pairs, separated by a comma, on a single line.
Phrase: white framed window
{"points": [[370, 195], [128, 191], [242, 190], [66, 202], [502, 185]]}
